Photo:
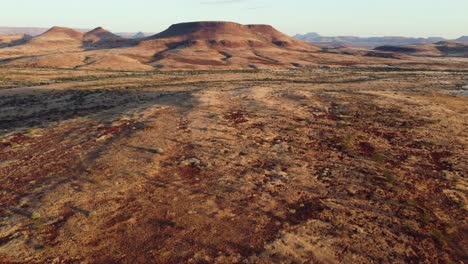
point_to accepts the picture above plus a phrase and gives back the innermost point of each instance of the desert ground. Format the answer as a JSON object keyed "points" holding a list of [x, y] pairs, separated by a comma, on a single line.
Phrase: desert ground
{"points": [[305, 165]]}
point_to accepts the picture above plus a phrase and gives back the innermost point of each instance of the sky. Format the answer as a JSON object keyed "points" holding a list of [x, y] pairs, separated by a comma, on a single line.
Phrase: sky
{"points": [[417, 18]]}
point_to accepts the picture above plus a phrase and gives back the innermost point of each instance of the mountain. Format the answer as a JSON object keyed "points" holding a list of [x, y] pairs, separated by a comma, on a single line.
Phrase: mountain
{"points": [[212, 31], [309, 37], [102, 38], [58, 37], [134, 35], [99, 34], [36, 31], [229, 35], [442, 48], [31, 31], [370, 42], [139, 35], [463, 39], [210, 44], [192, 45]]}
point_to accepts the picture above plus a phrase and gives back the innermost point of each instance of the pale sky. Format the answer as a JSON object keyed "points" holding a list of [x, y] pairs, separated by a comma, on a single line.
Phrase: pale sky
{"points": [[419, 18]]}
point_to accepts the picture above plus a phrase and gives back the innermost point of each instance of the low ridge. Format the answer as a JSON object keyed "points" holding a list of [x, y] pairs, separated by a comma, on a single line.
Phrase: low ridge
{"points": [[441, 48]]}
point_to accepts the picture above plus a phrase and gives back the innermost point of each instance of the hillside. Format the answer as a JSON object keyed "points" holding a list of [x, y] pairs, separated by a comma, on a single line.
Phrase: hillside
{"points": [[58, 37], [224, 44], [230, 35], [13, 40]]}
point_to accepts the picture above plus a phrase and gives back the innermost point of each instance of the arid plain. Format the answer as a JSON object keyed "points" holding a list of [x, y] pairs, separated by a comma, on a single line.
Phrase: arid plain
{"points": [[294, 154]]}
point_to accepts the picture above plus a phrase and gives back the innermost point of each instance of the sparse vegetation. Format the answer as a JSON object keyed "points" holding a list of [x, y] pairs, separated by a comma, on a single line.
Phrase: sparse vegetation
{"points": [[255, 163]]}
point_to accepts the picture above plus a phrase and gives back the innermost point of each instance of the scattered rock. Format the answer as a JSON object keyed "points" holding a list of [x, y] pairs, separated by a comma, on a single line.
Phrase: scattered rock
{"points": [[457, 197], [352, 190], [191, 162]]}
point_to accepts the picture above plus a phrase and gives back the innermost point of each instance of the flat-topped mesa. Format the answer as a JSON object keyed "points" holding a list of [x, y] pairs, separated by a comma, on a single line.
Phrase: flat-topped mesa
{"points": [[211, 33], [441, 48], [450, 43], [203, 29], [226, 34]]}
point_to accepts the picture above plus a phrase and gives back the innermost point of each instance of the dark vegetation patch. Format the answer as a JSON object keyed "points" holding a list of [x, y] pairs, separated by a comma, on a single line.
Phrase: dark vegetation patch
{"points": [[303, 211], [236, 117]]}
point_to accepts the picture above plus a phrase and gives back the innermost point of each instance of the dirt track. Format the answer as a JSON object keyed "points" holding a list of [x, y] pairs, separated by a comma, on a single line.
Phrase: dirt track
{"points": [[350, 165]]}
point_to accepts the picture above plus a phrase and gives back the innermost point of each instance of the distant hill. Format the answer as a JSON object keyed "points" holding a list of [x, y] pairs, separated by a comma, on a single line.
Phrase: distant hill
{"points": [[193, 45], [198, 45], [57, 37], [370, 42], [100, 34], [36, 31], [442, 48], [102, 38], [463, 39], [134, 35], [32, 31], [139, 35]]}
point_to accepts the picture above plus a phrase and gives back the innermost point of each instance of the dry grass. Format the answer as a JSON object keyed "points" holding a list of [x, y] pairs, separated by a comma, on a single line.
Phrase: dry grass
{"points": [[283, 166]]}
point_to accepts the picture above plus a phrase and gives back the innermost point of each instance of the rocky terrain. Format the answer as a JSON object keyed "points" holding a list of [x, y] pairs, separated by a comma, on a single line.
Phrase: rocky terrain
{"points": [[330, 165], [216, 142]]}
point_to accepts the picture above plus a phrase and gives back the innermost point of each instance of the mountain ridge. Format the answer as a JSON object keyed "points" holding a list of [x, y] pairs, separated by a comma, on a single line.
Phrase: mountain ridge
{"points": [[368, 42], [189, 45], [438, 49]]}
